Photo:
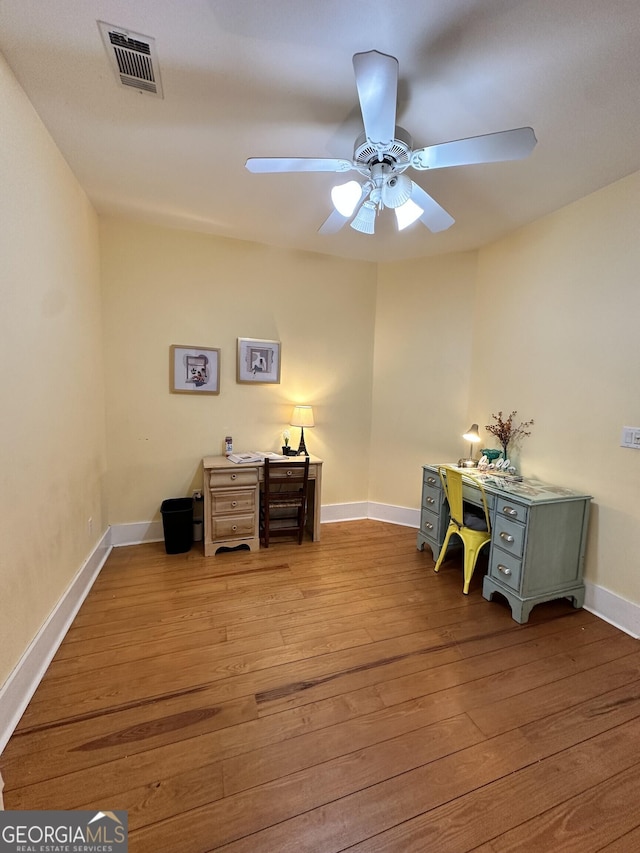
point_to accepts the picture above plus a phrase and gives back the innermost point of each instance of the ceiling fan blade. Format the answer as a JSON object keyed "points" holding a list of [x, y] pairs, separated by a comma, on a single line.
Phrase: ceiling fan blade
{"points": [[434, 217], [336, 220], [377, 84], [491, 148], [333, 223], [262, 165]]}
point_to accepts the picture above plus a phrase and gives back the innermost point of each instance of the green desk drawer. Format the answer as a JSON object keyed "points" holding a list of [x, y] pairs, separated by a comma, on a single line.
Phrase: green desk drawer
{"points": [[430, 524], [511, 510], [509, 535], [505, 569], [432, 478]]}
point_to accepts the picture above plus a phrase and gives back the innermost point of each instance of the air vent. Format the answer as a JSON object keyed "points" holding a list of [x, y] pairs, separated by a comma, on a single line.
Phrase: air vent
{"points": [[133, 58]]}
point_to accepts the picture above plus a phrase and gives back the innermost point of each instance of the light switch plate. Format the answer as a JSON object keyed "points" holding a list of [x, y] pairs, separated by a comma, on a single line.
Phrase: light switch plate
{"points": [[630, 437]]}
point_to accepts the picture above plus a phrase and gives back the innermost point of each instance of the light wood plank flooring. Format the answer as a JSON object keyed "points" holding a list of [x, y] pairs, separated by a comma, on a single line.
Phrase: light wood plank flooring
{"points": [[333, 696]]}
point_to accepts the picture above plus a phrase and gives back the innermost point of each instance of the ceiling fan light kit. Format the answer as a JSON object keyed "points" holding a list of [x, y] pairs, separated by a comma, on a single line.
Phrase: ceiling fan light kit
{"points": [[365, 219], [384, 152], [345, 197]]}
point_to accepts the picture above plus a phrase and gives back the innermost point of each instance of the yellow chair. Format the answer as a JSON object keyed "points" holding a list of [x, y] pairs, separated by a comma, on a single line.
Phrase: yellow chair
{"points": [[473, 540]]}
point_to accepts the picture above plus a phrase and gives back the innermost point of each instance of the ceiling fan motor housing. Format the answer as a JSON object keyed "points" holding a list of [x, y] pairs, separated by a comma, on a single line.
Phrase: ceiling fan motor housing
{"points": [[384, 169], [397, 154]]}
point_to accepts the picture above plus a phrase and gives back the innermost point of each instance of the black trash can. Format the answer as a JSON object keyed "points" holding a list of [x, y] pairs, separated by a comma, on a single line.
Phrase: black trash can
{"points": [[177, 523]]}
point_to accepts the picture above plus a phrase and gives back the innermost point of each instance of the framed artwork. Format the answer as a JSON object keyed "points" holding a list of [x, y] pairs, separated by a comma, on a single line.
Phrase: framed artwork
{"points": [[194, 370], [258, 361]]}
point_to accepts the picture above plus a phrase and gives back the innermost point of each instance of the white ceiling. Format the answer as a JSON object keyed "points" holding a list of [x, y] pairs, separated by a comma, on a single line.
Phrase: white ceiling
{"points": [[259, 78]]}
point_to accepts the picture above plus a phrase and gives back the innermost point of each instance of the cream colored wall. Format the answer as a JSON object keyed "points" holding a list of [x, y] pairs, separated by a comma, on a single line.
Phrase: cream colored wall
{"points": [[553, 335], [423, 342], [51, 382], [164, 287], [564, 349]]}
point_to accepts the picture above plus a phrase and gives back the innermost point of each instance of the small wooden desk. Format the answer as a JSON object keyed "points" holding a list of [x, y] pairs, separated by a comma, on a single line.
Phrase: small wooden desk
{"points": [[232, 502]]}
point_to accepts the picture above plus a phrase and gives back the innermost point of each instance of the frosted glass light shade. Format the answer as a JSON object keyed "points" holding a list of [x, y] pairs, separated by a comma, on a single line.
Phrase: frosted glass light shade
{"points": [[407, 214], [365, 220], [346, 196], [396, 190]]}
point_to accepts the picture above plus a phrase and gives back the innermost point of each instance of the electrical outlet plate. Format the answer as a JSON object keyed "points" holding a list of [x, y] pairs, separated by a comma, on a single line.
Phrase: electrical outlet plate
{"points": [[630, 437]]}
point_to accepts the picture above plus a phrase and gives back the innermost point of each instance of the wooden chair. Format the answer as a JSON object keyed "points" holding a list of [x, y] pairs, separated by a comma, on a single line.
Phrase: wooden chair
{"points": [[283, 509], [475, 532]]}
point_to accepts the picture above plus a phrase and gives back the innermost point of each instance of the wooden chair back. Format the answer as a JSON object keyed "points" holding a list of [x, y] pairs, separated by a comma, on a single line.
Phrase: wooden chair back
{"points": [[284, 499]]}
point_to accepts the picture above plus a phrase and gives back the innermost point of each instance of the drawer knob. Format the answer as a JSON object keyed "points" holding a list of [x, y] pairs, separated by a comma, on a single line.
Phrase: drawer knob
{"points": [[509, 510], [507, 537], [504, 570], [234, 503], [289, 473], [430, 501], [431, 481], [233, 476], [428, 525], [235, 527]]}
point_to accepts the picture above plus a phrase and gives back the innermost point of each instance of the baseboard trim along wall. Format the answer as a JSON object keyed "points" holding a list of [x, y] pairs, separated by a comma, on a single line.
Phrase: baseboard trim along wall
{"points": [[18, 689], [136, 533], [16, 693], [612, 608]]}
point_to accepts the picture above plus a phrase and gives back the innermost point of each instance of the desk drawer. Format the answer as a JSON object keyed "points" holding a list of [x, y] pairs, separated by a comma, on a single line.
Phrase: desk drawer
{"points": [[509, 535], [224, 477], [505, 568], [432, 498], [430, 524], [432, 479], [226, 501], [233, 527], [286, 473], [513, 511], [473, 496]]}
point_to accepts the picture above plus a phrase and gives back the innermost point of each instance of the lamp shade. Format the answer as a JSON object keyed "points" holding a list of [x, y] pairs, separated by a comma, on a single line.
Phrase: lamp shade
{"points": [[345, 197], [396, 190], [303, 417], [365, 220], [472, 434]]}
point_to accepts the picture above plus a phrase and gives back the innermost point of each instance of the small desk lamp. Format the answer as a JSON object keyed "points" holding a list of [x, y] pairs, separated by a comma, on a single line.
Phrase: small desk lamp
{"points": [[303, 417], [473, 437]]}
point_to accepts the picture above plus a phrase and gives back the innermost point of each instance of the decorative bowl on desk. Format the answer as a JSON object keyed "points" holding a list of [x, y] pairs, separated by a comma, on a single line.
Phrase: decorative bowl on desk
{"points": [[491, 455]]}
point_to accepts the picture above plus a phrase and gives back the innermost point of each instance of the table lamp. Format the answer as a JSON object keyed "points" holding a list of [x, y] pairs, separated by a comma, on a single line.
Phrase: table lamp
{"points": [[303, 417], [473, 437]]}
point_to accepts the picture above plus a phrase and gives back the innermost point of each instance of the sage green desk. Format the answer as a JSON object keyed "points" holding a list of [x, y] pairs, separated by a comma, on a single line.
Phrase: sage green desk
{"points": [[232, 502], [538, 537]]}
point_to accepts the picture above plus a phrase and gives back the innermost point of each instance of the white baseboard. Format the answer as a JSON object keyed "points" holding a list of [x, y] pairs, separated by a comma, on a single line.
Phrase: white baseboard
{"points": [[136, 533], [368, 509], [151, 531], [401, 515], [18, 689], [343, 512], [612, 608]]}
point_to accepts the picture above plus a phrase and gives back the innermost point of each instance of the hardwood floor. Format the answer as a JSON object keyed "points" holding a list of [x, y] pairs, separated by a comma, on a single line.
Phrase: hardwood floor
{"points": [[333, 696]]}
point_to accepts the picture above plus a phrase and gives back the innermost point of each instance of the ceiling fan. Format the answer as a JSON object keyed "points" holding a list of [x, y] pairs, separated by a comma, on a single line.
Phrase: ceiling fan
{"points": [[385, 151]]}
